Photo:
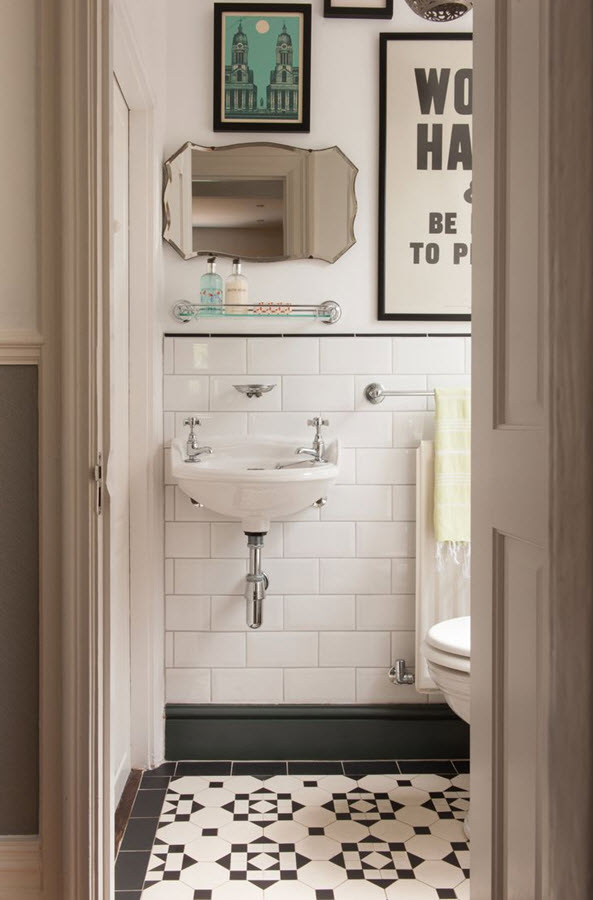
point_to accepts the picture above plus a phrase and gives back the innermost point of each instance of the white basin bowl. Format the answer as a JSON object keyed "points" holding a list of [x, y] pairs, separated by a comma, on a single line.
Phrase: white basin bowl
{"points": [[239, 478]]}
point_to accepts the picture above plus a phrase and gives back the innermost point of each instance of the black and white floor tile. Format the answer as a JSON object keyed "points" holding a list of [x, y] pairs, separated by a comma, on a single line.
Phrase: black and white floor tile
{"points": [[198, 832]]}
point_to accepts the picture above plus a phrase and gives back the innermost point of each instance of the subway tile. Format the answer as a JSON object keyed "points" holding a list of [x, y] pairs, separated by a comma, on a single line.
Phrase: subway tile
{"points": [[169, 576], [319, 685], [434, 355], [229, 541], [289, 357], [357, 355], [327, 392], [361, 576], [361, 429], [167, 470], [186, 539], [447, 381], [374, 686], [212, 424], [224, 396], [403, 576], [186, 511], [404, 503], [288, 425], [187, 686], [168, 356], [403, 646], [282, 649], [319, 612], [169, 648], [209, 649], [210, 355], [468, 354], [247, 685], [385, 612], [185, 392], [360, 503], [168, 428], [312, 539], [229, 613], [386, 466], [347, 466], [411, 428], [390, 383], [169, 503], [292, 576], [210, 576], [385, 539], [351, 648], [187, 613]]}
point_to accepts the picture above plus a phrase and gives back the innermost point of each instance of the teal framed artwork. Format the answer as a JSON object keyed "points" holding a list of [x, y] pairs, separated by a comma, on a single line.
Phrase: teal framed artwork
{"points": [[262, 67]]}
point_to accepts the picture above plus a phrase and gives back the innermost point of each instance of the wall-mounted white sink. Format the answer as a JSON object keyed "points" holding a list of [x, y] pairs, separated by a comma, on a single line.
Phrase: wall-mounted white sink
{"points": [[241, 478]]}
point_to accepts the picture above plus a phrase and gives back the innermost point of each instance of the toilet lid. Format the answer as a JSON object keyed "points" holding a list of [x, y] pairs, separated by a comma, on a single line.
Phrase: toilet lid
{"points": [[452, 636]]}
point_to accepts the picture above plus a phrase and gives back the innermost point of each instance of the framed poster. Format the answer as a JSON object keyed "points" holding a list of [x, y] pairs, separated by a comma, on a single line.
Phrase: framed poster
{"points": [[358, 9], [262, 66], [425, 176]]}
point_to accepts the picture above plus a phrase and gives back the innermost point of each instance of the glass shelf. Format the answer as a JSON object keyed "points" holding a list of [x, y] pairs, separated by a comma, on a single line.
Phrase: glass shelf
{"points": [[328, 312]]}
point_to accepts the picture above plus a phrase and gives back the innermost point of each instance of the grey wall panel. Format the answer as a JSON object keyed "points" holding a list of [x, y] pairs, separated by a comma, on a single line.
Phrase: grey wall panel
{"points": [[19, 599]]}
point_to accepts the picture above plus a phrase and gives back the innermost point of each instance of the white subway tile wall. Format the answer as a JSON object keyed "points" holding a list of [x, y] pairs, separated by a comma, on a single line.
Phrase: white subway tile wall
{"points": [[340, 606]]}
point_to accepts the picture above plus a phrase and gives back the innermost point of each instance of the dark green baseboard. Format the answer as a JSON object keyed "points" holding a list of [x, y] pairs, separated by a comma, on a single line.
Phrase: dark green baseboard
{"points": [[394, 731]]}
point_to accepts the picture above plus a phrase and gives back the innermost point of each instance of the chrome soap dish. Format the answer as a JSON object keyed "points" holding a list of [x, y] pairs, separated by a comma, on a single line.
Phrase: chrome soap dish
{"points": [[254, 390]]}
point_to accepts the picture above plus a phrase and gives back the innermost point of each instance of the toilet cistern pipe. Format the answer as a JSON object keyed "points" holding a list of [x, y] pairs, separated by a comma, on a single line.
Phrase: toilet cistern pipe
{"points": [[256, 581]]}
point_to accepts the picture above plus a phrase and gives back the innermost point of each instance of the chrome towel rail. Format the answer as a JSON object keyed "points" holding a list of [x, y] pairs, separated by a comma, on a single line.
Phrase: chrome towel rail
{"points": [[376, 393]]}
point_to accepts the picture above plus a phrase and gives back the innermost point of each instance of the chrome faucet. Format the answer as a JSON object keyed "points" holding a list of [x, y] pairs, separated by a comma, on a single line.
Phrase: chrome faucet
{"points": [[193, 449], [317, 451]]}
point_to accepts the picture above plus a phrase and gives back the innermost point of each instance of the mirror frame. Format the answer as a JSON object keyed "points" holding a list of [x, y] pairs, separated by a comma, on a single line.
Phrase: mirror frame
{"points": [[168, 178]]}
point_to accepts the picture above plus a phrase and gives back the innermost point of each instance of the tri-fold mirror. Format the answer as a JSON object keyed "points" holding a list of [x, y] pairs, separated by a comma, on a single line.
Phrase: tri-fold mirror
{"points": [[262, 202]]}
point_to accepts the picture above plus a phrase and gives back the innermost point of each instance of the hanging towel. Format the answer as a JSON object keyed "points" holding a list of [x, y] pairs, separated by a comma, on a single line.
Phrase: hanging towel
{"points": [[452, 476]]}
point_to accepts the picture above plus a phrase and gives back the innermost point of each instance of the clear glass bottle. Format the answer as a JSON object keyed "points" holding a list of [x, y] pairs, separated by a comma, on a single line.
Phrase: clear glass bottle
{"points": [[237, 286], [211, 289]]}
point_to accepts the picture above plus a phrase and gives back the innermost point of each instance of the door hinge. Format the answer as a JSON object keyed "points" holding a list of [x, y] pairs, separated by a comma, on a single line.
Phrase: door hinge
{"points": [[98, 475]]}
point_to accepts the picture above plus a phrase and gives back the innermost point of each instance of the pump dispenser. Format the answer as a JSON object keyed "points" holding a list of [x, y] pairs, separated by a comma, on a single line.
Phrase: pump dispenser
{"points": [[237, 286], [211, 289]]}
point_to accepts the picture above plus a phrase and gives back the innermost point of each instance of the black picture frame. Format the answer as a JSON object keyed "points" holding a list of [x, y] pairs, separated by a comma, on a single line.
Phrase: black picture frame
{"points": [[385, 39], [258, 123], [357, 12]]}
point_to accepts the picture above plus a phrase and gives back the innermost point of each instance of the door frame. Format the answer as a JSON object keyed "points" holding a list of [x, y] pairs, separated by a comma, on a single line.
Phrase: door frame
{"points": [[564, 694], [75, 172], [146, 469]]}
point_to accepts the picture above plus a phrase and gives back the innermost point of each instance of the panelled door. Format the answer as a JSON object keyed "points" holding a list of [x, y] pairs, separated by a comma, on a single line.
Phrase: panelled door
{"points": [[509, 453]]}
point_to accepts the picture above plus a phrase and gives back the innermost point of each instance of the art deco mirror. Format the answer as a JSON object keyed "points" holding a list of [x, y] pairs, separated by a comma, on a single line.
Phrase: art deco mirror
{"points": [[262, 202]]}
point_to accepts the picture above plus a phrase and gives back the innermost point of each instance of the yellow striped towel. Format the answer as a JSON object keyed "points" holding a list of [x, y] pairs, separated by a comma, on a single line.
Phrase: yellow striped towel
{"points": [[452, 475]]}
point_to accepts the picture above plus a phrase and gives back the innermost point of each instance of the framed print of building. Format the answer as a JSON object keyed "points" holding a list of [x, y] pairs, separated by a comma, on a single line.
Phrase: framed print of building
{"points": [[262, 64]]}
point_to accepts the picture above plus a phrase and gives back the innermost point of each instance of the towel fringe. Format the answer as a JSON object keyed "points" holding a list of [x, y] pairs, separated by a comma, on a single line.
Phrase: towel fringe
{"points": [[456, 552]]}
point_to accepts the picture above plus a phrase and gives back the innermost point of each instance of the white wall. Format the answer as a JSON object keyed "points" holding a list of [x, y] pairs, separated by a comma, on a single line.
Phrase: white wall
{"points": [[344, 111], [340, 606], [19, 294]]}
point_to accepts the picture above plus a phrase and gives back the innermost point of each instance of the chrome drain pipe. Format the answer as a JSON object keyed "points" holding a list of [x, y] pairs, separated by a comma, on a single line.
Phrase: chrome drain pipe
{"points": [[256, 581]]}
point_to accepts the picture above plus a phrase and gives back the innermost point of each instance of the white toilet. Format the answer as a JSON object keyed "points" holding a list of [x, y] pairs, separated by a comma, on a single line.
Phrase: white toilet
{"points": [[447, 652]]}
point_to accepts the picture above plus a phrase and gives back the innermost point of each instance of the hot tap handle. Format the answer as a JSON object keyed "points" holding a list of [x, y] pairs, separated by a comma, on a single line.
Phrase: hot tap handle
{"points": [[317, 422], [192, 421]]}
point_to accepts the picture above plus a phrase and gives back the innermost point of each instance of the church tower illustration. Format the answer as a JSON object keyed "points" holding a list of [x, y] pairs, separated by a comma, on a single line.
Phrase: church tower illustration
{"points": [[283, 89], [239, 86]]}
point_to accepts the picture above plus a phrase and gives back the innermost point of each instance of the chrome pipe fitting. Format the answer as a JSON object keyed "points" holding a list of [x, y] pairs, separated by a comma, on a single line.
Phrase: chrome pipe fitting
{"points": [[398, 673], [256, 581]]}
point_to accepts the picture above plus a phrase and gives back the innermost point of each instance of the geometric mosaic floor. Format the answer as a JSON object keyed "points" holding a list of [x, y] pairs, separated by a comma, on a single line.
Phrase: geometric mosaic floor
{"points": [[309, 831]]}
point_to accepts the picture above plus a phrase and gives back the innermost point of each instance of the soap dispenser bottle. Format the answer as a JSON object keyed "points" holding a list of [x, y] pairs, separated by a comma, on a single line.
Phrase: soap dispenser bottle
{"points": [[237, 286], [211, 289]]}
